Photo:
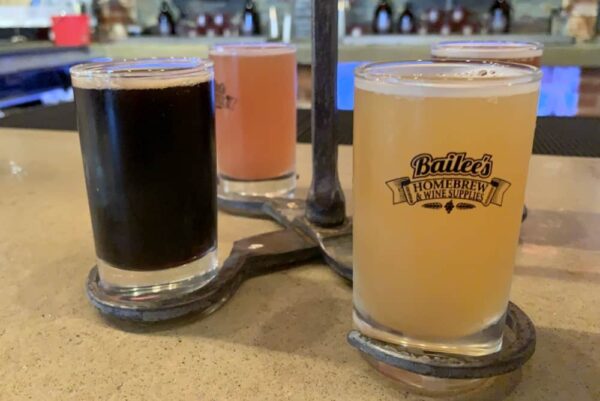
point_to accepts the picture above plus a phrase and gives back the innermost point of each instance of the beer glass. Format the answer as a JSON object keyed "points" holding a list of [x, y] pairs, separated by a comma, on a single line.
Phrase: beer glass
{"points": [[147, 140], [529, 53], [441, 152], [515, 52], [255, 98]]}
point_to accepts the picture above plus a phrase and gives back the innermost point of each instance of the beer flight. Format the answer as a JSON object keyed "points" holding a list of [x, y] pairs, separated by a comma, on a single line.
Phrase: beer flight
{"points": [[438, 186]]}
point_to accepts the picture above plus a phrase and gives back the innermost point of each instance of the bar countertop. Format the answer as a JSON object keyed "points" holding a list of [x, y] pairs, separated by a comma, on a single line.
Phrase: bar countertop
{"points": [[282, 336]]}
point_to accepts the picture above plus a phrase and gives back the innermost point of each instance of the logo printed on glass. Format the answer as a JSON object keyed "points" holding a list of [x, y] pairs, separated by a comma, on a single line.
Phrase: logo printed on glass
{"points": [[455, 177], [222, 99]]}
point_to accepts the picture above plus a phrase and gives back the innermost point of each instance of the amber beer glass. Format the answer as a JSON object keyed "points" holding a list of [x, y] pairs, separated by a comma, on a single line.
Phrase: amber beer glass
{"points": [[441, 152], [515, 52], [255, 96]]}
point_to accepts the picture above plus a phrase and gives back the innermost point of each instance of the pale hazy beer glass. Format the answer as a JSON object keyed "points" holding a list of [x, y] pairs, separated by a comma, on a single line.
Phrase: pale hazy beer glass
{"points": [[255, 98], [515, 52], [441, 153]]}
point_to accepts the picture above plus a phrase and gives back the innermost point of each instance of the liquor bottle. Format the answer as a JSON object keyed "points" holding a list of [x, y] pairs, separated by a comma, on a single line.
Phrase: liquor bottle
{"points": [[250, 20], [459, 19], [166, 21], [203, 22], [407, 23], [382, 19], [500, 16], [95, 16], [186, 26], [435, 20], [424, 23], [558, 22], [220, 22], [446, 27]]}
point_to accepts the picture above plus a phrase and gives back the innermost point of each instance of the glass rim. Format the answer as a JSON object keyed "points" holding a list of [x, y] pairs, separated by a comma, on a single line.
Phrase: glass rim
{"points": [[487, 48], [252, 49], [387, 73], [159, 68]]}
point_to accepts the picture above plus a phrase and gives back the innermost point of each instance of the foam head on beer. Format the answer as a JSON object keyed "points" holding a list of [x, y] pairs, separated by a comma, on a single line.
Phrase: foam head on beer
{"points": [[252, 50], [446, 80], [142, 74], [441, 151]]}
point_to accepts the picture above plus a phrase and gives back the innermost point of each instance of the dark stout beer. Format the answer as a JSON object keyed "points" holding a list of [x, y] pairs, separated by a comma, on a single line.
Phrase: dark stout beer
{"points": [[149, 156]]}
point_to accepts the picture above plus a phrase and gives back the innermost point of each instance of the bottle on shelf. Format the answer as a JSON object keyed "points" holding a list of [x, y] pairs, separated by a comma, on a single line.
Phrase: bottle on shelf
{"points": [[166, 21], [459, 20], [203, 22], [273, 23], [435, 20], [382, 19], [470, 26], [250, 24], [500, 13], [186, 26], [407, 22], [484, 24], [423, 23], [558, 22], [446, 27], [95, 16], [221, 24]]}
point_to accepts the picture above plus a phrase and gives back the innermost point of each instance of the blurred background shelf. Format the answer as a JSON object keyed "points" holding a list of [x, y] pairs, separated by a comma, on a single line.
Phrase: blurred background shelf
{"points": [[558, 51], [35, 87]]}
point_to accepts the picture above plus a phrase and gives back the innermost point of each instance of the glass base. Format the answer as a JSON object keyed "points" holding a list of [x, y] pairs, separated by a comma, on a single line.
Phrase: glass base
{"points": [[156, 285], [427, 385], [283, 186], [485, 342]]}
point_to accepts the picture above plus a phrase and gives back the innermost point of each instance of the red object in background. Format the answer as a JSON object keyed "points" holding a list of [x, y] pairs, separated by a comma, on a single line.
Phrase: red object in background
{"points": [[71, 30]]}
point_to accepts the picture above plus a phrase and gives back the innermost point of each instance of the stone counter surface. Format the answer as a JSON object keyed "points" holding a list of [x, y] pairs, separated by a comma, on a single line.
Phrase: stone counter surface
{"points": [[282, 336]]}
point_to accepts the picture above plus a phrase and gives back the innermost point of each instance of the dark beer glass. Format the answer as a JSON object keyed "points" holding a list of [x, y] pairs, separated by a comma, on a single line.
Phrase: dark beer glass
{"points": [[148, 146]]}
